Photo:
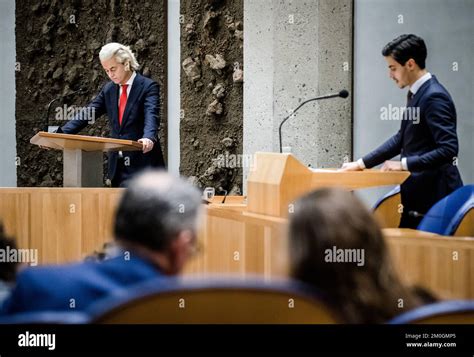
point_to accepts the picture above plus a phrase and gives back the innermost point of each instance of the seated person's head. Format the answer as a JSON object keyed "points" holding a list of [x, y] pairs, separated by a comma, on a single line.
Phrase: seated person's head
{"points": [[8, 269], [158, 217], [336, 246]]}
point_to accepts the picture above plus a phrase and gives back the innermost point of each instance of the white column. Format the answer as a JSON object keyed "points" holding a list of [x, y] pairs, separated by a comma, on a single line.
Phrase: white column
{"points": [[7, 95], [174, 95], [258, 79]]}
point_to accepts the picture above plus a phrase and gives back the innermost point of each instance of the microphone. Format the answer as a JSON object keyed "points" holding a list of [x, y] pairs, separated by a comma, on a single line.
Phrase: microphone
{"points": [[225, 194], [343, 94], [80, 90], [416, 214]]}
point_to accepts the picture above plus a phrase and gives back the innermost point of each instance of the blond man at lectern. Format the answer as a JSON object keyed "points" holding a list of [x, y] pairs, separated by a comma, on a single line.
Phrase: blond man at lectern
{"points": [[131, 102]]}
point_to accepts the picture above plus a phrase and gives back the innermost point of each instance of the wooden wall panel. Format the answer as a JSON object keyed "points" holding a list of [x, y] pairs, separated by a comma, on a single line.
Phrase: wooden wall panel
{"points": [[65, 225], [444, 265]]}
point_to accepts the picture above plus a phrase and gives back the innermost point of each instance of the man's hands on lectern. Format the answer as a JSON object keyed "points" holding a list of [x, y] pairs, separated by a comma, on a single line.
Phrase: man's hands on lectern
{"points": [[350, 166], [387, 166], [147, 144], [392, 166]]}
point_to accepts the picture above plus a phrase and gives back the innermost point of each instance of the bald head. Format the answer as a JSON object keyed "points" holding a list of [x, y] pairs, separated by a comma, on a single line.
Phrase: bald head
{"points": [[155, 208]]}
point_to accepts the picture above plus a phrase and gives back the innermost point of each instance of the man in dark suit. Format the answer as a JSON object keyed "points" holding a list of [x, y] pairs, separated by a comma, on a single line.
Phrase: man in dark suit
{"points": [[131, 102], [155, 228], [427, 140]]}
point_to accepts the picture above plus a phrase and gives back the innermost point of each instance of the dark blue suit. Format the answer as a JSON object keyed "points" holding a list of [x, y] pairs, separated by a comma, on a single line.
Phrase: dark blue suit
{"points": [[52, 288], [430, 148], [140, 120]]}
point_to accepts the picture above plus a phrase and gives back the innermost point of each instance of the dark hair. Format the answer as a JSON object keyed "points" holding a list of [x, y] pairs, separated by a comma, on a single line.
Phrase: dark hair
{"points": [[155, 208], [7, 269], [405, 47], [334, 218]]}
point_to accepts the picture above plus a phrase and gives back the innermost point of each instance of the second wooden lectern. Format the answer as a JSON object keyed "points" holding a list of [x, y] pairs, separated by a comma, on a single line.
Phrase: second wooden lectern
{"points": [[82, 155], [276, 180]]}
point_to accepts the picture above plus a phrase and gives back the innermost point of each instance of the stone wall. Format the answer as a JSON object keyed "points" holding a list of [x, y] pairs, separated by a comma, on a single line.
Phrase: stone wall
{"points": [[57, 46], [212, 92]]}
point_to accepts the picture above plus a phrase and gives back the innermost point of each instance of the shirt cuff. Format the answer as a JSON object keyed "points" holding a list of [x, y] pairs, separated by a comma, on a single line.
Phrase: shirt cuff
{"points": [[361, 164], [404, 164]]}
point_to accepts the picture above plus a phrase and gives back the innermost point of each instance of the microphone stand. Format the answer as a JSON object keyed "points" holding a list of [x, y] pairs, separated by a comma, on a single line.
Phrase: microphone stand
{"points": [[342, 94], [56, 99]]}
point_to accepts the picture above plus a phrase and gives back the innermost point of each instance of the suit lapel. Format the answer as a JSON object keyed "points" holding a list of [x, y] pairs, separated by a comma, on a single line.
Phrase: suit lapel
{"points": [[132, 98], [114, 105], [416, 98]]}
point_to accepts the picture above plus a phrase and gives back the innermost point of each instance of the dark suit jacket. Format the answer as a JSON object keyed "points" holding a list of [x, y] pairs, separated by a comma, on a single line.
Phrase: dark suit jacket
{"points": [[52, 287], [430, 147], [140, 120]]}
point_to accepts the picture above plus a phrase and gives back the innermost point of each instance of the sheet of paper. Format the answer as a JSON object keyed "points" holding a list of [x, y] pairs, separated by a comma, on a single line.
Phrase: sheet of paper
{"points": [[323, 170]]}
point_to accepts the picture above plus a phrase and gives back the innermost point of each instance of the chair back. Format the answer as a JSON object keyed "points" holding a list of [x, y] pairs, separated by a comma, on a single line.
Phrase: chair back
{"points": [[229, 301], [447, 214], [46, 318], [386, 209], [445, 312]]}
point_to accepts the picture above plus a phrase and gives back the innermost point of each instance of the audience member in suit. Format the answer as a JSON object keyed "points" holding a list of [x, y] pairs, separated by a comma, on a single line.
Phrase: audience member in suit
{"points": [[8, 269], [427, 140], [155, 225], [131, 102], [337, 247]]}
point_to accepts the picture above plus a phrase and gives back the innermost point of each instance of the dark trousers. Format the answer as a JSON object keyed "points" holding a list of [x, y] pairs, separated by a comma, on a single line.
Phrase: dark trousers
{"points": [[122, 173]]}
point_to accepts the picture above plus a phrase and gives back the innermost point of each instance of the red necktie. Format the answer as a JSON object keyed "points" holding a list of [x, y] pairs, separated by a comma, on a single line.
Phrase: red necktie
{"points": [[122, 102]]}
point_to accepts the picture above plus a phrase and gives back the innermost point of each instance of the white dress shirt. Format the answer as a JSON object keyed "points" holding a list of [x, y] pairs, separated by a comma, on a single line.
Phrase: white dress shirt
{"points": [[129, 88], [420, 81]]}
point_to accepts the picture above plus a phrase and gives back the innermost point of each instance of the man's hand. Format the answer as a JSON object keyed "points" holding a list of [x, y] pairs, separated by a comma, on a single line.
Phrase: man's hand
{"points": [[147, 144], [392, 166], [350, 166]]}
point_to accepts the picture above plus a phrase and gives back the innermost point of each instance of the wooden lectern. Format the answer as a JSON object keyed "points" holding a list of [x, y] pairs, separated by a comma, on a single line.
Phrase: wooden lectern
{"points": [[251, 237], [83, 158], [276, 180]]}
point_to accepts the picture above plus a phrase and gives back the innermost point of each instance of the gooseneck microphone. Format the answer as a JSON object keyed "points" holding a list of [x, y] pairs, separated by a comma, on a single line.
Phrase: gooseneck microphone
{"points": [[80, 90], [343, 94], [416, 214]]}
